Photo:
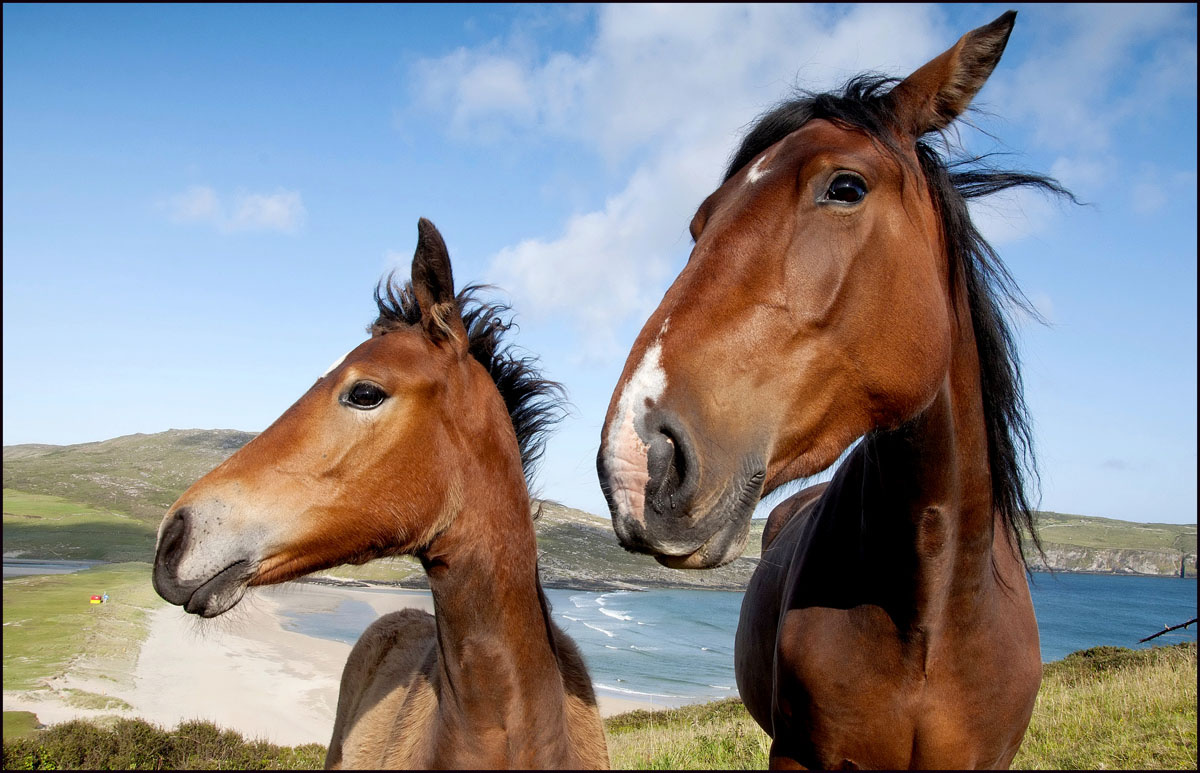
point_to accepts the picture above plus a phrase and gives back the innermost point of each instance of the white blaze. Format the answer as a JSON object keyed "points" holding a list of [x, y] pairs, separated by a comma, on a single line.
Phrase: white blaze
{"points": [[333, 367], [627, 453], [756, 172]]}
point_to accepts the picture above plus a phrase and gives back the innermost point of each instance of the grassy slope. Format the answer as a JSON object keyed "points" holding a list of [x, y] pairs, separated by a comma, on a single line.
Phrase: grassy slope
{"points": [[141, 475], [52, 527], [1107, 707], [1103, 708], [133, 744], [18, 724], [710, 736], [1089, 532], [105, 500], [1111, 707], [50, 627]]}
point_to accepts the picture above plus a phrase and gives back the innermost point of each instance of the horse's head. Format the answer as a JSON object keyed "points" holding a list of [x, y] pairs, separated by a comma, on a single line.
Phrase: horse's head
{"points": [[371, 461], [816, 306]]}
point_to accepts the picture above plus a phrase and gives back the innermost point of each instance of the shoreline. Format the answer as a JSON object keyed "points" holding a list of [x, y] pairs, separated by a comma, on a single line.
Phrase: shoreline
{"points": [[247, 672]]}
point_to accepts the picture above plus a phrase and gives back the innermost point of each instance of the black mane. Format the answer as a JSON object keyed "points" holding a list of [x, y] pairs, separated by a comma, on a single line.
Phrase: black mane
{"points": [[861, 104], [534, 404]]}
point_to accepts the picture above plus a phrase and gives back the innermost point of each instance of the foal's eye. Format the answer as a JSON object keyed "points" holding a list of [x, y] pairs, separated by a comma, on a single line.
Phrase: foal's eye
{"points": [[364, 395], [846, 188]]}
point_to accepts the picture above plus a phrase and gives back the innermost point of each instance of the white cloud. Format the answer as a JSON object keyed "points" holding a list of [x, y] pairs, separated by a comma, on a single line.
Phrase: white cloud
{"points": [[195, 205], [672, 90], [655, 72], [612, 265], [281, 211], [665, 92], [1153, 188], [1013, 215], [1093, 70], [1086, 77], [1083, 173]]}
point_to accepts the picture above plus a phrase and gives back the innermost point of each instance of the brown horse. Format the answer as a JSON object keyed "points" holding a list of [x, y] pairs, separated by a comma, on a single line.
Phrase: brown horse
{"points": [[414, 443], [838, 291]]}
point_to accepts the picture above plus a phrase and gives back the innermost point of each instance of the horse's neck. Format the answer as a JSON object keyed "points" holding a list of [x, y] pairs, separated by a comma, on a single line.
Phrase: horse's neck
{"points": [[914, 504], [497, 670]]}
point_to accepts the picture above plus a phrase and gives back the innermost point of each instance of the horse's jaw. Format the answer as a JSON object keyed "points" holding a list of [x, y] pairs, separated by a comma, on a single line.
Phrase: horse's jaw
{"points": [[724, 546]]}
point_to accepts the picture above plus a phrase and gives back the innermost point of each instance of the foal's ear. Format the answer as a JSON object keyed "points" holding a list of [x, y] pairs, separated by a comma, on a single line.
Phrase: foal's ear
{"points": [[433, 285], [933, 96]]}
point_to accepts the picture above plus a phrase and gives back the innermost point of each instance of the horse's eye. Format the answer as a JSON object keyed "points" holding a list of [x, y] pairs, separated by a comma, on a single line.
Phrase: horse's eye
{"points": [[846, 188], [365, 396]]}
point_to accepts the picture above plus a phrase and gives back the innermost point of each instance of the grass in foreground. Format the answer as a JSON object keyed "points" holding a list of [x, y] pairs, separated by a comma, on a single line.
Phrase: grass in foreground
{"points": [[1106, 707], [133, 744], [1111, 707], [49, 626], [18, 724], [711, 736]]}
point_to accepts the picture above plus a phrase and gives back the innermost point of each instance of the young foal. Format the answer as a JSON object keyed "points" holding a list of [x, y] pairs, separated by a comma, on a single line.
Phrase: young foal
{"points": [[414, 443], [837, 290]]}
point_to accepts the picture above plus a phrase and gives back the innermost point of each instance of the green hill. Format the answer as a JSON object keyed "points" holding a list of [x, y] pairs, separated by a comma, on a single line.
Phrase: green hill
{"points": [[104, 501], [1080, 543], [138, 475]]}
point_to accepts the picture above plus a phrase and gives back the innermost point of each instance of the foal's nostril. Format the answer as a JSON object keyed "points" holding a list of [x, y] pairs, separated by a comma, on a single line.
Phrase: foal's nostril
{"points": [[172, 541], [173, 534]]}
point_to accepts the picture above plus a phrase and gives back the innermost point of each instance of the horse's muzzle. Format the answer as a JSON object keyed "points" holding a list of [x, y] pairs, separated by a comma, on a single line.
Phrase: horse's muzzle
{"points": [[676, 522]]}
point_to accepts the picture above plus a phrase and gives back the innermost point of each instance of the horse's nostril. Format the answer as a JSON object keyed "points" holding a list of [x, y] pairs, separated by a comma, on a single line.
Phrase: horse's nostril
{"points": [[660, 459], [668, 464]]}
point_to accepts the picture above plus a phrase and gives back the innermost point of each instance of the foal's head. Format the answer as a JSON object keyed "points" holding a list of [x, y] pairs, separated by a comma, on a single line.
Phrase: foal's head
{"points": [[819, 303], [376, 459]]}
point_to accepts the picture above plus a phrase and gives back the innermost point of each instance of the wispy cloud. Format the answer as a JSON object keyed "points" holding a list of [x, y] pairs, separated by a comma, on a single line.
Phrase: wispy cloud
{"points": [[1116, 465], [1089, 75], [665, 94], [627, 96], [1156, 188], [281, 211], [1012, 215]]}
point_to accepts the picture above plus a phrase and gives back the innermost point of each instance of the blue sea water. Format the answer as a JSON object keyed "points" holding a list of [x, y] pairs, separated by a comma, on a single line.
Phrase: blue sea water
{"points": [[672, 647], [660, 646], [1077, 611]]}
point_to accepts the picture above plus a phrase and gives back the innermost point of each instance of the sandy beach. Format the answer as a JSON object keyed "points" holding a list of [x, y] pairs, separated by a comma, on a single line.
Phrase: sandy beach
{"points": [[244, 671]]}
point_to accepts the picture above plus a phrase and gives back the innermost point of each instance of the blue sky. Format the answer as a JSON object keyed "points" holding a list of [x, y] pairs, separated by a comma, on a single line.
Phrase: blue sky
{"points": [[199, 200]]}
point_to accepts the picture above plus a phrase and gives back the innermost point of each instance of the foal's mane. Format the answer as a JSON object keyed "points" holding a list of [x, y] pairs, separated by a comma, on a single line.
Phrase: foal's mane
{"points": [[534, 404], [991, 290]]}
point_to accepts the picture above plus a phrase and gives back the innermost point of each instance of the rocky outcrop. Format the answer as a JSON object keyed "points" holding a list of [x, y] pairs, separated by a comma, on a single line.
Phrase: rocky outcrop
{"points": [[1071, 558]]}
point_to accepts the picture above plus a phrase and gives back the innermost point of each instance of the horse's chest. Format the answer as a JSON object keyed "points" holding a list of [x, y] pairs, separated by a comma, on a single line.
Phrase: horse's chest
{"points": [[846, 687], [850, 690]]}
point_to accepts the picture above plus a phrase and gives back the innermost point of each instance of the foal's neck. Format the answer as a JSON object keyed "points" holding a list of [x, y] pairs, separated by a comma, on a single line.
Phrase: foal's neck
{"points": [[499, 685]]}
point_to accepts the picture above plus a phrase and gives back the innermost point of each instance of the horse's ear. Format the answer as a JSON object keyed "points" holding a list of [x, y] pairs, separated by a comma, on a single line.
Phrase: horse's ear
{"points": [[933, 96], [433, 285]]}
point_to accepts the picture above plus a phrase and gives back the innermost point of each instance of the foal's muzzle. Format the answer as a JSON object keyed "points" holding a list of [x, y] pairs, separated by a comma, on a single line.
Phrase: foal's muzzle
{"points": [[209, 588]]}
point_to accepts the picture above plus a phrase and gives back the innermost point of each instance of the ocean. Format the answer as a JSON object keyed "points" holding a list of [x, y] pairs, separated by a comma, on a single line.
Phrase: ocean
{"points": [[672, 647]]}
